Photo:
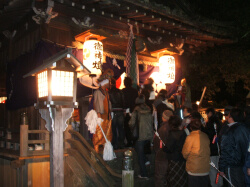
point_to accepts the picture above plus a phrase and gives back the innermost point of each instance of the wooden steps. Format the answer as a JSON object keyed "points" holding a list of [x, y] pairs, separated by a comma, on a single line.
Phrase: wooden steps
{"points": [[84, 167]]}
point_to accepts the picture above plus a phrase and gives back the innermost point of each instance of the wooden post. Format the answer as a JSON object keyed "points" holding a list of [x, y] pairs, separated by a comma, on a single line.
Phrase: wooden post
{"points": [[56, 117], [60, 116], [56, 150], [23, 140]]}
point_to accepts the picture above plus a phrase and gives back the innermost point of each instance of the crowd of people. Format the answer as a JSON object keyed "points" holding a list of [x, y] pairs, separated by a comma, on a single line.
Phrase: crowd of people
{"points": [[190, 151]]}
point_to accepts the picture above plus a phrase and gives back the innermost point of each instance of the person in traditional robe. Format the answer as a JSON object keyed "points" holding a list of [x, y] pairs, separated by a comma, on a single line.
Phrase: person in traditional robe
{"points": [[187, 93], [102, 106]]}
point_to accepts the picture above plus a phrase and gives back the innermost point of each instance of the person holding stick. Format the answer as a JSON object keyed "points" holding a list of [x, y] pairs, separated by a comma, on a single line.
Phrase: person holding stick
{"points": [[161, 161], [102, 106], [212, 128], [177, 176], [234, 145]]}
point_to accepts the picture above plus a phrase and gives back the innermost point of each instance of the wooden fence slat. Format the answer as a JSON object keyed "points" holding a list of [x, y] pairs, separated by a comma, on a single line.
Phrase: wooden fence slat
{"points": [[37, 141], [38, 131]]}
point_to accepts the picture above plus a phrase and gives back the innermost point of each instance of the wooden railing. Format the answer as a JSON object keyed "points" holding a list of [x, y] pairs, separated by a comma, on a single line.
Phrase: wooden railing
{"points": [[87, 151], [9, 139], [25, 150], [18, 142]]}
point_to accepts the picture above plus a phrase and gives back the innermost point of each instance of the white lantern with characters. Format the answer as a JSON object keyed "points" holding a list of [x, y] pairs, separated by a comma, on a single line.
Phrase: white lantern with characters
{"points": [[167, 69], [92, 59]]}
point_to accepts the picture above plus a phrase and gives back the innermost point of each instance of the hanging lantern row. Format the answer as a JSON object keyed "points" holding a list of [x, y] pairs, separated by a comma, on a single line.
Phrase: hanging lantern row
{"points": [[93, 60]]}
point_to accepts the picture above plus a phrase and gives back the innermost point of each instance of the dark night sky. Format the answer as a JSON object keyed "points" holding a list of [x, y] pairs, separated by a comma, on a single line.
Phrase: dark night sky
{"points": [[236, 11]]}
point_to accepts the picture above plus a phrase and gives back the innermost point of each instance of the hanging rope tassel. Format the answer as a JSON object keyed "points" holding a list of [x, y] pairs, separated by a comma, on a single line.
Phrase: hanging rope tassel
{"points": [[108, 152], [92, 121]]}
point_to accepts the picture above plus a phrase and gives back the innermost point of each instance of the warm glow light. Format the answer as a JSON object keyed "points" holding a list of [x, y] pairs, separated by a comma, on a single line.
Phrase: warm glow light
{"points": [[167, 68], [93, 55], [122, 80], [158, 81], [198, 102], [156, 76], [62, 83], [42, 84], [3, 99]]}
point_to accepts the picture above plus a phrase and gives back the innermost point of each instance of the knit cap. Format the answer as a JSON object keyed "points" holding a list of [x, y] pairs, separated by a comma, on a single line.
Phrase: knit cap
{"points": [[166, 114]]}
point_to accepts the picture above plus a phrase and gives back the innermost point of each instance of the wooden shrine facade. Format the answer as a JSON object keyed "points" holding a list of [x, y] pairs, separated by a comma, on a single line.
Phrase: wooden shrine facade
{"points": [[158, 28]]}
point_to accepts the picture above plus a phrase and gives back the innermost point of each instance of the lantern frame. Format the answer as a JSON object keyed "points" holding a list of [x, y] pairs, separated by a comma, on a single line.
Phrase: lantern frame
{"points": [[63, 61]]}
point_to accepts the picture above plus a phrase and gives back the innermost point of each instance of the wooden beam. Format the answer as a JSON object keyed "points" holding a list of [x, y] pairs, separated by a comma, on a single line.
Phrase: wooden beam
{"points": [[128, 12], [111, 21], [137, 15]]}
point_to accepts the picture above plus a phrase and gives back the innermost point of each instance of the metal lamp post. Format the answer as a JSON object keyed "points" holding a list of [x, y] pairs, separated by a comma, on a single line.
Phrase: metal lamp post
{"points": [[56, 98]]}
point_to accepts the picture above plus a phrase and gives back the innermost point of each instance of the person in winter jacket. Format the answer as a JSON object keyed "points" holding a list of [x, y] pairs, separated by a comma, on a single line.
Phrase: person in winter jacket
{"points": [[196, 151], [130, 94], [148, 92], [177, 176], [212, 129], [161, 161], [234, 146], [247, 166], [142, 117], [160, 105], [117, 100]]}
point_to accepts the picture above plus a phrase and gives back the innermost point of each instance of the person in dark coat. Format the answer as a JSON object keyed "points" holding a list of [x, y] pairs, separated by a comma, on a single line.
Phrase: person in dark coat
{"points": [[212, 129], [160, 105], [177, 175], [247, 166], [225, 126], [234, 146], [178, 98], [161, 161], [142, 119], [117, 100], [130, 94], [148, 92]]}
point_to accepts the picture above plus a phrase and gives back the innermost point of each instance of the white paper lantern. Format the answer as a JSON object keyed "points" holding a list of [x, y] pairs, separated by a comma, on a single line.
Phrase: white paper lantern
{"points": [[92, 59], [167, 69], [93, 55]]}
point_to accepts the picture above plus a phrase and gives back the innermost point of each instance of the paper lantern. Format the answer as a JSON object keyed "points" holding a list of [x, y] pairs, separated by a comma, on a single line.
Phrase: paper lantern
{"points": [[93, 55], [167, 69]]}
